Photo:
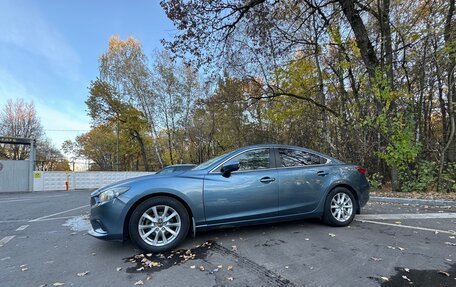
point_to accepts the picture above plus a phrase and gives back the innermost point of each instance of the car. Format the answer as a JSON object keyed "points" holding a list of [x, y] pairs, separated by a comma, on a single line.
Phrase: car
{"points": [[175, 168], [257, 184]]}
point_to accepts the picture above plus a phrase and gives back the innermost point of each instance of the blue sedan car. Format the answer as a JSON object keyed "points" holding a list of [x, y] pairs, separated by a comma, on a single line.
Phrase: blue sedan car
{"points": [[251, 185]]}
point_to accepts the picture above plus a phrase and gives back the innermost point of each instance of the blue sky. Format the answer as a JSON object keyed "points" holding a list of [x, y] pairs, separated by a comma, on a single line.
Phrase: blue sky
{"points": [[49, 52]]}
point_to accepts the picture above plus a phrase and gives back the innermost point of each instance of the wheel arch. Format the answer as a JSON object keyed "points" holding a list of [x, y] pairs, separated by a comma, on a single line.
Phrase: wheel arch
{"points": [[126, 222]]}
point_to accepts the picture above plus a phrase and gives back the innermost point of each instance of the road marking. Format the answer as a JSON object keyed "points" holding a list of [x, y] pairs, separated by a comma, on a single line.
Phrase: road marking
{"points": [[408, 216], [58, 213], [6, 239], [15, 199], [452, 232], [22, 227]]}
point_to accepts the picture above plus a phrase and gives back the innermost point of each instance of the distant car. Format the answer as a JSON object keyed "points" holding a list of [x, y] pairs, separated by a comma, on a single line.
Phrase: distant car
{"points": [[251, 185], [175, 168]]}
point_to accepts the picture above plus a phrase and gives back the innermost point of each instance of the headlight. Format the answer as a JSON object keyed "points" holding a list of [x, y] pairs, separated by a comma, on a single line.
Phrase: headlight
{"points": [[112, 192]]}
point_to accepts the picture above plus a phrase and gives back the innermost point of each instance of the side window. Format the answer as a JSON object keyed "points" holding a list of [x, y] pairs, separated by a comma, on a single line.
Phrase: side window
{"points": [[254, 159], [292, 157]]}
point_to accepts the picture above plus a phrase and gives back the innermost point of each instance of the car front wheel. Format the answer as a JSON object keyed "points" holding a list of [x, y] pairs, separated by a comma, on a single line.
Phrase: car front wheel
{"points": [[340, 207], [159, 224]]}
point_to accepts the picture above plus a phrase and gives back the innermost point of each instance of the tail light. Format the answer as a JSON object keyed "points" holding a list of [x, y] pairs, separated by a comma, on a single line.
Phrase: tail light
{"points": [[361, 170]]}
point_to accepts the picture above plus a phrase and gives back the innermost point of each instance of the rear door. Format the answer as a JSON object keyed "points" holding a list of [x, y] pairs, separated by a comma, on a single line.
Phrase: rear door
{"points": [[250, 193], [303, 177]]}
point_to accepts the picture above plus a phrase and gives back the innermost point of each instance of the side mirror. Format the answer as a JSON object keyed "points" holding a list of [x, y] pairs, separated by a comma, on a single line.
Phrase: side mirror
{"points": [[229, 167]]}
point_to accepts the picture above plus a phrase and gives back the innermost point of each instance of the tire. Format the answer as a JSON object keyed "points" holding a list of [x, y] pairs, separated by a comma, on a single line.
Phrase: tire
{"points": [[337, 207], [152, 221]]}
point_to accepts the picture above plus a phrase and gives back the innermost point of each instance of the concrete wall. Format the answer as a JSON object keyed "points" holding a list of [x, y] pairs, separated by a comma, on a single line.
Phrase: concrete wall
{"points": [[55, 180]]}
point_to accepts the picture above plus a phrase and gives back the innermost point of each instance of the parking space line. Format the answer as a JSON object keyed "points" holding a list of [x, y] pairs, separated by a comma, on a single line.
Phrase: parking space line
{"points": [[58, 213], [441, 215], [18, 199], [452, 232], [6, 239], [22, 227]]}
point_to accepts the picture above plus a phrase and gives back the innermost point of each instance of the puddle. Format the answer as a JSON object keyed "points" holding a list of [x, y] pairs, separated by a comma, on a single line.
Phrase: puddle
{"points": [[78, 223], [421, 278], [148, 262]]}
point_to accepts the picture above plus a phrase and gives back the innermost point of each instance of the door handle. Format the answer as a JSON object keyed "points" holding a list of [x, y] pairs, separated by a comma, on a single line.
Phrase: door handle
{"points": [[267, 179], [322, 173]]}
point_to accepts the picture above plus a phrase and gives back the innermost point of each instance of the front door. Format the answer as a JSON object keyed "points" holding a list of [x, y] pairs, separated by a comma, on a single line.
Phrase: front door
{"points": [[250, 193]]}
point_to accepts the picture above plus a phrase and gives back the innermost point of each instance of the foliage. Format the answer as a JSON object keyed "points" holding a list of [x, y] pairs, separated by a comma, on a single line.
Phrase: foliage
{"points": [[375, 181], [421, 178]]}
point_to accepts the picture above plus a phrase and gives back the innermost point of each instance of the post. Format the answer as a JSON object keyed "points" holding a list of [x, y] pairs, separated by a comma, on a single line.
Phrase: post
{"points": [[117, 144], [31, 164]]}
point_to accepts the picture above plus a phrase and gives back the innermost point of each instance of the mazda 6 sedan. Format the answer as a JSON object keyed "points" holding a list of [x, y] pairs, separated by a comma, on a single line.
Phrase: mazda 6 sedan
{"points": [[251, 185]]}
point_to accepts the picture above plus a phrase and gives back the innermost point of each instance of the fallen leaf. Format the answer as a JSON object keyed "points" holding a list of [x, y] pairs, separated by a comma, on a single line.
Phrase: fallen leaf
{"points": [[230, 278], [201, 268], [444, 273], [148, 277], [140, 282], [229, 268], [118, 268], [331, 234], [406, 278], [83, 273], [154, 264], [234, 248]]}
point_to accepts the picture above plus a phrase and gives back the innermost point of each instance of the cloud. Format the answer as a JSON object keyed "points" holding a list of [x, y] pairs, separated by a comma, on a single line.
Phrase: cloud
{"points": [[23, 27]]}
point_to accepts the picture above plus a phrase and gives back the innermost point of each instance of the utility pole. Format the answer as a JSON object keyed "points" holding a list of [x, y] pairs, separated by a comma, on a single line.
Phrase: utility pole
{"points": [[117, 144]]}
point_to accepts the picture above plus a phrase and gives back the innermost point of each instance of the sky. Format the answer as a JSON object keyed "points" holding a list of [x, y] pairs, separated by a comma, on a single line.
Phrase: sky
{"points": [[49, 52]]}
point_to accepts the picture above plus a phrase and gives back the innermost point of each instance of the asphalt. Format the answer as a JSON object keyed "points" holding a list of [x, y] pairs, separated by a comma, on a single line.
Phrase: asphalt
{"points": [[44, 241]]}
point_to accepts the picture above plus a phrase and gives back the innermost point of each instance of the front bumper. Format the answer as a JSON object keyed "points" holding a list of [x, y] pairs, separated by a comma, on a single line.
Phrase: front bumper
{"points": [[107, 219]]}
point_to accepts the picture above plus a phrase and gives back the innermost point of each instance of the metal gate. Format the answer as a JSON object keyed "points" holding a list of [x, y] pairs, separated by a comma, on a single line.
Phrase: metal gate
{"points": [[14, 175]]}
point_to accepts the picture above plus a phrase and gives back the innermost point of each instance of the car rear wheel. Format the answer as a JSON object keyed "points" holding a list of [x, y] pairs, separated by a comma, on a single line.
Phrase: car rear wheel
{"points": [[340, 207], [159, 224]]}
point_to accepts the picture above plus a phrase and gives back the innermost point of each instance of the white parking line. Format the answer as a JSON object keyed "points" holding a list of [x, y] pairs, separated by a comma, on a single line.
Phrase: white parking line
{"points": [[452, 232], [22, 227], [6, 239], [18, 199], [408, 216], [54, 214]]}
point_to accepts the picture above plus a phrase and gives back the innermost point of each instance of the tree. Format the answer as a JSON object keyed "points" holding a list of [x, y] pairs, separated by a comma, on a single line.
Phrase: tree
{"points": [[19, 119]]}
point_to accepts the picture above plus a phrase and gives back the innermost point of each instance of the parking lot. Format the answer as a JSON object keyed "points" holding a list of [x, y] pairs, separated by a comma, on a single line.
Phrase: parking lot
{"points": [[44, 242]]}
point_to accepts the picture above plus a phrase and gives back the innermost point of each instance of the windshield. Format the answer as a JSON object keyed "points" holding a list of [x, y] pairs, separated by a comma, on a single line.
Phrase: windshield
{"points": [[208, 163]]}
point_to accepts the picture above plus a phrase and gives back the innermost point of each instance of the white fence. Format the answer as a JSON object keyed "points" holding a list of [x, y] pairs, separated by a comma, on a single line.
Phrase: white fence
{"points": [[56, 180]]}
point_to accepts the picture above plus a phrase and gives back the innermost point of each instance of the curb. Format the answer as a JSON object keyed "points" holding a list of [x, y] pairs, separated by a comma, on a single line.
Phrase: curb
{"points": [[432, 202]]}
